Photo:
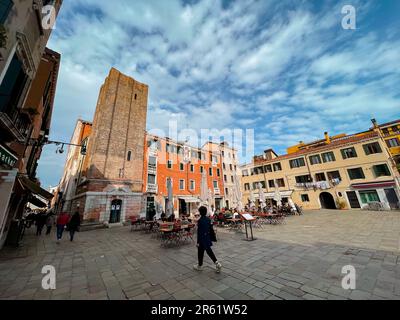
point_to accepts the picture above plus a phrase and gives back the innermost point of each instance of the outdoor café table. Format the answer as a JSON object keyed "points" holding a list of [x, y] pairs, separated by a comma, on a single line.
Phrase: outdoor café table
{"points": [[271, 217], [148, 225], [235, 223]]}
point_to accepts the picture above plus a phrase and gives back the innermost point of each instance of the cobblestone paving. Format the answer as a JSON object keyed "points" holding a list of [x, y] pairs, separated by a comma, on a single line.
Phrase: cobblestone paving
{"points": [[301, 259]]}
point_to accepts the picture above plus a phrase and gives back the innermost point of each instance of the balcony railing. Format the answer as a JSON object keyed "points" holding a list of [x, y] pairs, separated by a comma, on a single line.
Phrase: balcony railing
{"points": [[16, 122], [152, 169], [152, 188]]}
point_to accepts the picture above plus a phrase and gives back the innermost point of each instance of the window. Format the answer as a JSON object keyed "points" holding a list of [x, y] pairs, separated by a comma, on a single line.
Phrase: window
{"points": [[223, 153], [305, 198], [303, 179], [169, 164], [151, 179], [215, 183], [280, 183], [392, 143], [369, 196], [201, 169], [296, 163], [210, 171], [334, 175], [277, 166], [395, 129], [232, 179], [214, 159], [234, 167], [245, 173], [192, 168], [218, 172], [181, 184], [356, 173], [258, 170], [246, 186], [255, 185], [181, 166], [385, 131], [320, 177], [192, 185], [315, 159], [230, 167], [226, 191], [271, 183], [372, 148], [267, 168], [224, 166], [225, 179], [129, 156], [381, 170], [328, 157], [152, 161], [349, 153], [262, 184], [5, 7]]}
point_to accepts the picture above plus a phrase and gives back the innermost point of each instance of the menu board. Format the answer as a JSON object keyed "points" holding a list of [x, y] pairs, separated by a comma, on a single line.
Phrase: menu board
{"points": [[248, 216]]}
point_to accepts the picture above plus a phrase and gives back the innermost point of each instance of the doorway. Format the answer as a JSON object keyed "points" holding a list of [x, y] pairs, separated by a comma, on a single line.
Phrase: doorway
{"points": [[392, 198], [115, 213], [353, 200], [327, 201]]}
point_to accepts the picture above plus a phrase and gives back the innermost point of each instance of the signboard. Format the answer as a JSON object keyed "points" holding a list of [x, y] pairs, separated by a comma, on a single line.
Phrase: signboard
{"points": [[248, 216], [7, 158]]}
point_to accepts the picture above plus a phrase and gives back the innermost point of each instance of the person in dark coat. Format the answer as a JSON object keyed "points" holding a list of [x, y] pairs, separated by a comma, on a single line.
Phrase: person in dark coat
{"points": [[40, 222], [73, 224], [204, 242]]}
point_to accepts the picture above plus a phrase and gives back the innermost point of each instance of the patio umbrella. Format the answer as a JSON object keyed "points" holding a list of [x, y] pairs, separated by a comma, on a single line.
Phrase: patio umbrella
{"points": [[277, 196], [252, 200], [291, 203], [170, 203], [210, 200], [204, 190], [261, 196], [238, 194]]}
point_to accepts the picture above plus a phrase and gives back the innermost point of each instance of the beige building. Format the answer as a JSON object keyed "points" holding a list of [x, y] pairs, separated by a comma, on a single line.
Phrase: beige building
{"points": [[340, 172]]}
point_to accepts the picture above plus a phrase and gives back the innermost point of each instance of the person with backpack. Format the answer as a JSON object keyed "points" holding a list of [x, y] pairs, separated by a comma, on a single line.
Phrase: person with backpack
{"points": [[205, 237]]}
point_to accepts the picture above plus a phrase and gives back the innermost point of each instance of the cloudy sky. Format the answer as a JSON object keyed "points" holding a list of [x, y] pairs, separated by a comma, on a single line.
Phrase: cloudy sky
{"points": [[286, 69]]}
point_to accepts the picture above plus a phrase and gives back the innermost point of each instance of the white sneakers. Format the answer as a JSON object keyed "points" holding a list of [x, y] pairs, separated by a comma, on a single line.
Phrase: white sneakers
{"points": [[218, 267], [197, 267]]}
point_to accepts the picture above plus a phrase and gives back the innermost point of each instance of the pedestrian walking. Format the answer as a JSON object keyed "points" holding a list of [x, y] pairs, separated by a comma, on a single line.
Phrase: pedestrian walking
{"points": [[62, 220], [205, 238], [49, 222], [73, 225], [40, 222]]}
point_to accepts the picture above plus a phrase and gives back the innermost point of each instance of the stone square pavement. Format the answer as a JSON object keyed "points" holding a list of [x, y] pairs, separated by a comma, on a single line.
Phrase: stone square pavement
{"points": [[301, 259]]}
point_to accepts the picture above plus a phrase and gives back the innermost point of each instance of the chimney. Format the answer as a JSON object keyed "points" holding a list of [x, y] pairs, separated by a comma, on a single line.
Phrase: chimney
{"points": [[327, 138], [374, 123]]}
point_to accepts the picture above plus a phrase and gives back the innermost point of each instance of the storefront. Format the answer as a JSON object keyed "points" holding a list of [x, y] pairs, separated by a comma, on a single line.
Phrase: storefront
{"points": [[188, 205], [383, 192]]}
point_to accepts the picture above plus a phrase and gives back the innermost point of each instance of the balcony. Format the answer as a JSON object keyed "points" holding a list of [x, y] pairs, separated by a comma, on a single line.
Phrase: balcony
{"points": [[151, 188], [16, 123], [151, 169]]}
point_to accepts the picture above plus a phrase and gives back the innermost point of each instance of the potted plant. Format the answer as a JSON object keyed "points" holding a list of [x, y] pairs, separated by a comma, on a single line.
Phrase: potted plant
{"points": [[341, 204]]}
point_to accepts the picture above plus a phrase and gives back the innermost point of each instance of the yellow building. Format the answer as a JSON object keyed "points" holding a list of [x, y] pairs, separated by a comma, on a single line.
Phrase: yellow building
{"points": [[335, 172], [390, 132]]}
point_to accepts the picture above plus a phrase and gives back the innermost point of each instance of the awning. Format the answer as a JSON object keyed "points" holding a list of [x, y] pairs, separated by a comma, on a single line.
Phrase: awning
{"points": [[190, 199], [34, 187], [369, 185], [270, 195], [37, 202]]}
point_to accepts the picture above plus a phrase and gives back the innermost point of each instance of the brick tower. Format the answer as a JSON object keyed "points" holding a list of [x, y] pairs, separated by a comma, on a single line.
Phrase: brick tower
{"points": [[113, 169]]}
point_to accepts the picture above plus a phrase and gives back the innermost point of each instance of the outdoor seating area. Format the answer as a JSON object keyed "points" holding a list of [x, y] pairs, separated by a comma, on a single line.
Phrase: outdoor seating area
{"points": [[176, 233]]}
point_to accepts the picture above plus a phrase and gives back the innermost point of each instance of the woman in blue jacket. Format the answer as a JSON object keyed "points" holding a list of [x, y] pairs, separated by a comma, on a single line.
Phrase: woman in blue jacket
{"points": [[204, 242]]}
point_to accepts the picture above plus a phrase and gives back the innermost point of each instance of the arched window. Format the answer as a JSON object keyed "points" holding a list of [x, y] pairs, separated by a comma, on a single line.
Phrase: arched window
{"points": [[129, 155]]}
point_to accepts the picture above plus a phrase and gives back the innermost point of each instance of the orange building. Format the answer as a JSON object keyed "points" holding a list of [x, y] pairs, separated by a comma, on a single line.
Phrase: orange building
{"points": [[165, 158]]}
